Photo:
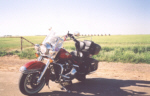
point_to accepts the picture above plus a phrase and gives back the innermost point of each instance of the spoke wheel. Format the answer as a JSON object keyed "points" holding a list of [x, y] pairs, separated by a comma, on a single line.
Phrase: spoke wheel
{"points": [[28, 83]]}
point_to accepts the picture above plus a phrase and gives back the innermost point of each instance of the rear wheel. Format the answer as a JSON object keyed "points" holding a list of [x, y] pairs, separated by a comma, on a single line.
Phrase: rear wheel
{"points": [[81, 77], [28, 83]]}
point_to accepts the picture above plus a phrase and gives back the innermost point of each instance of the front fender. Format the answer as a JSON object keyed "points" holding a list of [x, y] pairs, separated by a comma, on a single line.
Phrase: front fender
{"points": [[32, 67]]}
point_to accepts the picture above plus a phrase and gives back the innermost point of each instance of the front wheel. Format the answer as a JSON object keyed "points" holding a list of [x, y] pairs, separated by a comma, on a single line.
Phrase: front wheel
{"points": [[28, 83]]}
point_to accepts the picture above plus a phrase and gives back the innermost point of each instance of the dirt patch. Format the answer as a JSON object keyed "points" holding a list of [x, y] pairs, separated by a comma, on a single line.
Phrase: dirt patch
{"points": [[12, 63], [111, 79], [109, 70], [124, 71]]}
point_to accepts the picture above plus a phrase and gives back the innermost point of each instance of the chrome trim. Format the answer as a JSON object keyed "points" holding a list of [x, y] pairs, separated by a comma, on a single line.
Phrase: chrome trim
{"points": [[40, 58], [65, 76], [43, 72], [75, 65], [31, 71], [73, 71], [24, 70]]}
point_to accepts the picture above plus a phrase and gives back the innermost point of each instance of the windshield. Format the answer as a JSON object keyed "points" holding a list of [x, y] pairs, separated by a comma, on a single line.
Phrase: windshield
{"points": [[52, 43], [52, 39], [49, 37]]}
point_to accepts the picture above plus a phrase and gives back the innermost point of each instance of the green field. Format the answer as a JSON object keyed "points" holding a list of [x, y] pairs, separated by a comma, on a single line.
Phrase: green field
{"points": [[15, 43], [115, 48]]}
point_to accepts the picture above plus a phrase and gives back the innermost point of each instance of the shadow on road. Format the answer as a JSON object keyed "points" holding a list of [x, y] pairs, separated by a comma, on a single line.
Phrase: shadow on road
{"points": [[104, 87]]}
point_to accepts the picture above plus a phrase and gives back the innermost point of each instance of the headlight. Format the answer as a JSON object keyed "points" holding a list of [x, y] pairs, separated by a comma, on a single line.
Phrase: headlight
{"points": [[44, 50], [47, 49], [37, 47]]}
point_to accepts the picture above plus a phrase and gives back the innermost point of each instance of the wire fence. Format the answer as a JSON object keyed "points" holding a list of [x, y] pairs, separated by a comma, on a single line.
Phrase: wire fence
{"points": [[21, 41]]}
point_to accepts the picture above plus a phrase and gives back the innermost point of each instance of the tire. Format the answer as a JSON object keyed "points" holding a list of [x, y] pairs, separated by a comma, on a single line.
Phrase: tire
{"points": [[81, 77], [25, 78]]}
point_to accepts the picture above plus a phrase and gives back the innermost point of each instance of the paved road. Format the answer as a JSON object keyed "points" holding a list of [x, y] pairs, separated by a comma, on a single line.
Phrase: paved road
{"points": [[92, 86]]}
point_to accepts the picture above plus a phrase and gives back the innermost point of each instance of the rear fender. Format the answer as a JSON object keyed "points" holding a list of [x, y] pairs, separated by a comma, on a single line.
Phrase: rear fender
{"points": [[32, 67]]}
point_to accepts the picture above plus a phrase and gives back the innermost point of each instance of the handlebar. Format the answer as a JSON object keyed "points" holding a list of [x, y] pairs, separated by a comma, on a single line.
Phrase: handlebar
{"points": [[71, 36]]}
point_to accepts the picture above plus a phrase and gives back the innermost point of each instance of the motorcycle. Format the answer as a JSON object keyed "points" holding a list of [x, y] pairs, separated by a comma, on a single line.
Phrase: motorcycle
{"points": [[61, 66]]}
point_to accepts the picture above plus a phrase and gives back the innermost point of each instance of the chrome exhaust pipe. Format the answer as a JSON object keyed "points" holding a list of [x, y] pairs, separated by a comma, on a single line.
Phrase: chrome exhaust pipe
{"points": [[71, 74], [67, 77]]}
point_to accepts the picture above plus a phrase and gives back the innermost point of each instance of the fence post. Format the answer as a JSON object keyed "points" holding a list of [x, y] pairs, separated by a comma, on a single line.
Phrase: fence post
{"points": [[21, 43]]}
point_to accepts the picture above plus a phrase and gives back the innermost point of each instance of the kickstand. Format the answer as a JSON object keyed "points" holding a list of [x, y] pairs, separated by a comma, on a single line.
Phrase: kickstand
{"points": [[47, 84], [63, 88]]}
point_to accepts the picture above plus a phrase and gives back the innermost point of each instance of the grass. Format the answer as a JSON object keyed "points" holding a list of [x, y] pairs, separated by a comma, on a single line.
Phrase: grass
{"points": [[134, 54], [120, 48], [27, 53], [4, 53], [117, 48], [15, 43]]}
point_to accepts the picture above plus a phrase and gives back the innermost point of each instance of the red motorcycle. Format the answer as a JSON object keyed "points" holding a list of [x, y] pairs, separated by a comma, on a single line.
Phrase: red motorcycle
{"points": [[61, 66]]}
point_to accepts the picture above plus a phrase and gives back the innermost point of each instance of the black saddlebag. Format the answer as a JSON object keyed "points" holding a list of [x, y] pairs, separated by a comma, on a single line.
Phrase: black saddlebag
{"points": [[91, 47], [92, 64]]}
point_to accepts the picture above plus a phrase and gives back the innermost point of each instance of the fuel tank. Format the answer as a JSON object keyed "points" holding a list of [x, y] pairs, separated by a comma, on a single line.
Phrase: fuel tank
{"points": [[63, 54]]}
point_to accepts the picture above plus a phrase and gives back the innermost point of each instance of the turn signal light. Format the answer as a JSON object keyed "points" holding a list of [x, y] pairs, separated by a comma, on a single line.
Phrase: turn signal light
{"points": [[50, 60], [36, 54]]}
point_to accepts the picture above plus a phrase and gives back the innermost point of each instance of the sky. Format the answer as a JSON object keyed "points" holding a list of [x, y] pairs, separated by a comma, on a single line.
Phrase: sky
{"points": [[35, 17]]}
